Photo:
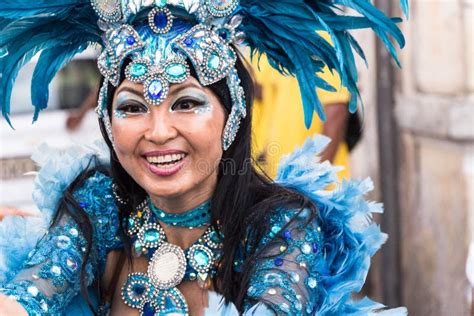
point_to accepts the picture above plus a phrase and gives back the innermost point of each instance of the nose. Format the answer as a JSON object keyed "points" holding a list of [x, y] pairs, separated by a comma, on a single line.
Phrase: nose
{"points": [[162, 127]]}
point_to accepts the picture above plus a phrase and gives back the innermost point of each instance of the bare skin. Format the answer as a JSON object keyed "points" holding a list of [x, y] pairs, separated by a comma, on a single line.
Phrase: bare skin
{"points": [[334, 128]]}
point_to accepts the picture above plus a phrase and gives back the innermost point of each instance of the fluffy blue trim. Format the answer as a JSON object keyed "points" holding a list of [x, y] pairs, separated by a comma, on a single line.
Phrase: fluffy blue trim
{"points": [[58, 170], [350, 236], [285, 30]]}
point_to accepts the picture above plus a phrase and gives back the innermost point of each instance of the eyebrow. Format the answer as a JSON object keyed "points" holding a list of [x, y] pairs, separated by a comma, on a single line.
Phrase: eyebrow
{"points": [[179, 89], [129, 89]]}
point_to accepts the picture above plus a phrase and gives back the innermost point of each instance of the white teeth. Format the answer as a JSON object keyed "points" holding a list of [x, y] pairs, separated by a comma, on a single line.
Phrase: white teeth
{"points": [[165, 158]]}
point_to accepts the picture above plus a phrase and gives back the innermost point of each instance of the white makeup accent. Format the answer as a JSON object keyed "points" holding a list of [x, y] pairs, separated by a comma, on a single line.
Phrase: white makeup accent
{"points": [[125, 99], [193, 95]]}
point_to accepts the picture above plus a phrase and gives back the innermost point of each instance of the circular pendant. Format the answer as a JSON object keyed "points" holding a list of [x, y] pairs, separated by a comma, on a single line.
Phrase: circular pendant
{"points": [[167, 266], [200, 258]]}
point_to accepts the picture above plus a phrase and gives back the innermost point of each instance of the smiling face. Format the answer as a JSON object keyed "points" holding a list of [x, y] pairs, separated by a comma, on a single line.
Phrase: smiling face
{"points": [[171, 150]]}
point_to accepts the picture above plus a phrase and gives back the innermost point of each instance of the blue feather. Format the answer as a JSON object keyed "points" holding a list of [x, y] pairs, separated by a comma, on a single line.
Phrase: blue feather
{"points": [[286, 29], [66, 29], [49, 63]]}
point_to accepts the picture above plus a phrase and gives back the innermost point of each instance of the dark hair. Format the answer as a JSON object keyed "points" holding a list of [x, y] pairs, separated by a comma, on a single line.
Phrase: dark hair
{"points": [[242, 202]]}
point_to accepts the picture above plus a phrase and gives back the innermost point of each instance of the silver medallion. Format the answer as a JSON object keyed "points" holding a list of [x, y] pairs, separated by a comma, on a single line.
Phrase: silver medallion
{"points": [[167, 266]]}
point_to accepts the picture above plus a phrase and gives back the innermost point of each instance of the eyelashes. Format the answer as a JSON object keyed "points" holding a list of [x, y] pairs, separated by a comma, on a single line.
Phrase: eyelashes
{"points": [[128, 108], [187, 104]]}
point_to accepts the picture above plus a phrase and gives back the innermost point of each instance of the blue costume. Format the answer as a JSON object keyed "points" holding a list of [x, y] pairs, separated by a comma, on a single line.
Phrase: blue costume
{"points": [[313, 266], [330, 255]]}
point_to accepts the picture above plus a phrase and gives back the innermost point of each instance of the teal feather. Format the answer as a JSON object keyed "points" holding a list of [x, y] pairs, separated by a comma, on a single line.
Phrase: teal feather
{"points": [[49, 63], [58, 28], [286, 29]]}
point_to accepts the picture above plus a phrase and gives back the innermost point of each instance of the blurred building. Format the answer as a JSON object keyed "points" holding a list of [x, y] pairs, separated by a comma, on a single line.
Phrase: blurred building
{"points": [[431, 124]]}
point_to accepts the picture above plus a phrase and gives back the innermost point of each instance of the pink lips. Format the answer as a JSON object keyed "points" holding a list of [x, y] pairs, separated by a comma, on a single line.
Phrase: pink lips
{"points": [[164, 172]]}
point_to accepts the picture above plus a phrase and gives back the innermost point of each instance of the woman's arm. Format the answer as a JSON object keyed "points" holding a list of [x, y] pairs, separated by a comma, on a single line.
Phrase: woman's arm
{"points": [[10, 306], [51, 276]]}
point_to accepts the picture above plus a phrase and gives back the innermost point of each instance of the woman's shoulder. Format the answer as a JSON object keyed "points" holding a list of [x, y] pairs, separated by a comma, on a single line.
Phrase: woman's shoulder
{"points": [[326, 247]]}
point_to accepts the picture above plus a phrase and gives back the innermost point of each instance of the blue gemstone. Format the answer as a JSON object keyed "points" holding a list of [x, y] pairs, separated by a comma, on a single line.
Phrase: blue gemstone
{"points": [[160, 20], [201, 257], [148, 309], [155, 90], [83, 204], [287, 234], [223, 34], [138, 289], [176, 70], [189, 41], [131, 222], [278, 262], [213, 62], [137, 70], [315, 247], [151, 235], [131, 40]]}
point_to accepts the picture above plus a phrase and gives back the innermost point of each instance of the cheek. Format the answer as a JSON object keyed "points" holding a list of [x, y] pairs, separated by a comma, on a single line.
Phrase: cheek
{"points": [[204, 131], [127, 132]]}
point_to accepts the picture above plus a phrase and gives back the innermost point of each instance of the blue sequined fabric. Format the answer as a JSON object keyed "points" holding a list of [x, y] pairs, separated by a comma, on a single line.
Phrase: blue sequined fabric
{"points": [[286, 276], [50, 277]]}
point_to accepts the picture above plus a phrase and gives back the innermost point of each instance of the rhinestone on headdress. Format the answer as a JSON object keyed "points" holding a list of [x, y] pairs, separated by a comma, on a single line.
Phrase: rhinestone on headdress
{"points": [[221, 8], [108, 10], [160, 20]]}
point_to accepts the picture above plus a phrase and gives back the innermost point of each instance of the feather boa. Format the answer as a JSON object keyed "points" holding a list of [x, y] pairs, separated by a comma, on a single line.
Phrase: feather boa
{"points": [[19, 235]]}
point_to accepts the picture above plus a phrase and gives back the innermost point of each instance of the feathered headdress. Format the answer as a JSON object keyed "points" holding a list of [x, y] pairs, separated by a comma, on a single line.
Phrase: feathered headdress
{"points": [[285, 30]]}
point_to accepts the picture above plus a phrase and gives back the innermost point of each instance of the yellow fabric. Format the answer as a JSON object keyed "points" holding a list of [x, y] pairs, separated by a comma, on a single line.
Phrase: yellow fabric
{"points": [[278, 123]]}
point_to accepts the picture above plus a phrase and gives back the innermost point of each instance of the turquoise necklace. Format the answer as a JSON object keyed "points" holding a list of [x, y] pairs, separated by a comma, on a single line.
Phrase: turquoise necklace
{"points": [[196, 217], [155, 292]]}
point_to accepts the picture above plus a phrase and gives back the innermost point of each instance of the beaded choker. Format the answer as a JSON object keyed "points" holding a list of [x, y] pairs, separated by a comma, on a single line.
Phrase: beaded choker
{"points": [[156, 291], [196, 217]]}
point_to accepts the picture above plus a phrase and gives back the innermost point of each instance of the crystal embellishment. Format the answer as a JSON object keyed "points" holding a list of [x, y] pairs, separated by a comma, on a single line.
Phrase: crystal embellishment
{"points": [[201, 258], [167, 266], [160, 20], [108, 10]]}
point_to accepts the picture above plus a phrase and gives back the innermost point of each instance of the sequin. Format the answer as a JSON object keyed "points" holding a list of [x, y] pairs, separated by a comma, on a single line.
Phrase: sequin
{"points": [[33, 290], [278, 262], [73, 232], [306, 248], [312, 283], [63, 242], [56, 270], [295, 277], [272, 291]]}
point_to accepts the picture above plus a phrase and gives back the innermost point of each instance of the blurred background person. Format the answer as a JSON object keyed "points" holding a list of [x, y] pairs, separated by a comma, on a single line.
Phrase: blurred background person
{"points": [[278, 129]]}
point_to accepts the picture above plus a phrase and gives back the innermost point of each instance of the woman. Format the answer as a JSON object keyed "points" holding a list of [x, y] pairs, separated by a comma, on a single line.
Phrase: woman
{"points": [[179, 212]]}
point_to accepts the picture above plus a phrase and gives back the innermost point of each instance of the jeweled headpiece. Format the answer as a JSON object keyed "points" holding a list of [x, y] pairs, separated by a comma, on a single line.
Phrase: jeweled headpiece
{"points": [[161, 39]]}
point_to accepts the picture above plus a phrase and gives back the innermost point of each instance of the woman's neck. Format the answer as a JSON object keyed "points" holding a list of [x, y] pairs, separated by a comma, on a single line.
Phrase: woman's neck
{"points": [[181, 204]]}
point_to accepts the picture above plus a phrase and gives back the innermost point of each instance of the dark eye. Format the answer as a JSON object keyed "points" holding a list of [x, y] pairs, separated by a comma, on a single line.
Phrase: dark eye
{"points": [[186, 105], [133, 107]]}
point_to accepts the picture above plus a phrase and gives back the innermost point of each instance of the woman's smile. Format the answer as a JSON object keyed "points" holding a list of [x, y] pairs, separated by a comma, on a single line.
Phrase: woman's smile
{"points": [[165, 163]]}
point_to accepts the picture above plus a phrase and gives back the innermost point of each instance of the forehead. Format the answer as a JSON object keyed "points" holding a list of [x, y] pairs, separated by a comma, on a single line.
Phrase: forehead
{"points": [[138, 88]]}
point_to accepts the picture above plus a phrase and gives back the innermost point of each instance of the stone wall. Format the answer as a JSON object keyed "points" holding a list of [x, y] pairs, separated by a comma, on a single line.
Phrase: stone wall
{"points": [[435, 113]]}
